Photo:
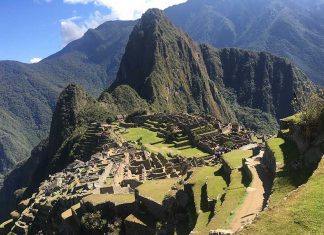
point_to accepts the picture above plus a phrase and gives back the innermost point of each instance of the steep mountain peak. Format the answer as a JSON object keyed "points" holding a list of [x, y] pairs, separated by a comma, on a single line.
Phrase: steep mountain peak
{"points": [[71, 101], [166, 68], [154, 14]]}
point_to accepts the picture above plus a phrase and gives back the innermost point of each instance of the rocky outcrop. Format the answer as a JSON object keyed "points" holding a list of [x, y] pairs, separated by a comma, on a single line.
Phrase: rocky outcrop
{"points": [[260, 80]]}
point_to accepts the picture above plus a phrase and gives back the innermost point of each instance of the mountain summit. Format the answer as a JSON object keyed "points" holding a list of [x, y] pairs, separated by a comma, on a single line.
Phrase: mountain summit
{"points": [[166, 68]]}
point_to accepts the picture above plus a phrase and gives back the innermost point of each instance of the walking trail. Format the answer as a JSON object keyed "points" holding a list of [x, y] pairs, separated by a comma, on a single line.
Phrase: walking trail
{"points": [[254, 200]]}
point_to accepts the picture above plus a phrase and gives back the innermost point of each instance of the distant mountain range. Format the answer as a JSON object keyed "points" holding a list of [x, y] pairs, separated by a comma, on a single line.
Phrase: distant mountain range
{"points": [[294, 29], [288, 28], [29, 91]]}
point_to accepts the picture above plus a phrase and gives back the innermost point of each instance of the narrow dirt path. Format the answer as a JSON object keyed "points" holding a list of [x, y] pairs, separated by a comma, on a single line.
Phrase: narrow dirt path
{"points": [[254, 200]]}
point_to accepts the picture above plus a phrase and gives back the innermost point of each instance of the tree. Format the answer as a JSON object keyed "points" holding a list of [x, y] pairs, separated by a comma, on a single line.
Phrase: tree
{"points": [[114, 228], [312, 113], [229, 144], [110, 119]]}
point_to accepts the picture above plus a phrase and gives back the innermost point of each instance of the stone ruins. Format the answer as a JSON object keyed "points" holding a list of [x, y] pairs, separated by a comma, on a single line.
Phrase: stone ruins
{"points": [[117, 168]]}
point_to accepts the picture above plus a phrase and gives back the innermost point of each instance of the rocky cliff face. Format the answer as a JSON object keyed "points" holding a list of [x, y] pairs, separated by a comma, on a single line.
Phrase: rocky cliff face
{"points": [[259, 80], [262, 25]]}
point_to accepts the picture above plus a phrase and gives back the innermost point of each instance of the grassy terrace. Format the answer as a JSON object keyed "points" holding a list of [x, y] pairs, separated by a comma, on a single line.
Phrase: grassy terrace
{"points": [[282, 183], [297, 118], [96, 199], [301, 213], [284, 151], [275, 144], [157, 145], [234, 158], [156, 189], [224, 213], [215, 188]]}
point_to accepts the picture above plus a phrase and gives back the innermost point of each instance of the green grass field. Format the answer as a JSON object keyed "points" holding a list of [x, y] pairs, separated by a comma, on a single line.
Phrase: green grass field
{"points": [[157, 145], [215, 186], [156, 189], [234, 158]]}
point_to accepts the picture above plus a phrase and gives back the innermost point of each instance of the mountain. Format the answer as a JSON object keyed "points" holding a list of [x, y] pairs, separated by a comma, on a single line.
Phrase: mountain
{"points": [[292, 29], [29, 91], [171, 73], [166, 68]]}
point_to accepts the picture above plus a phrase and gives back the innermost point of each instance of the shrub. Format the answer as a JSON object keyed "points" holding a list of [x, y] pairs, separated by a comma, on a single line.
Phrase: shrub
{"points": [[135, 114], [19, 193], [114, 228], [93, 223], [110, 119], [229, 144], [312, 109]]}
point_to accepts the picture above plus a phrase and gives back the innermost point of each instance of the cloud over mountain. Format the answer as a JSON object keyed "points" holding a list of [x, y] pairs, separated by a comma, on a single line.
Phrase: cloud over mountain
{"points": [[35, 60], [73, 28]]}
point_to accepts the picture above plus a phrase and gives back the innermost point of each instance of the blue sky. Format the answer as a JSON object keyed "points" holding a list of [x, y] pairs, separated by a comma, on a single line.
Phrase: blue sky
{"points": [[38, 28]]}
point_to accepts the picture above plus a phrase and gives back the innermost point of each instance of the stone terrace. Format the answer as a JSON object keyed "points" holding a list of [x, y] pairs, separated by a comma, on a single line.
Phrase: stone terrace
{"points": [[203, 131]]}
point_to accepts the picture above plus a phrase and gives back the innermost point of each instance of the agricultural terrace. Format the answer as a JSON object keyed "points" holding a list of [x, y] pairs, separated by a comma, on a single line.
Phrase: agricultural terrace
{"points": [[156, 189], [234, 158], [155, 144], [206, 184]]}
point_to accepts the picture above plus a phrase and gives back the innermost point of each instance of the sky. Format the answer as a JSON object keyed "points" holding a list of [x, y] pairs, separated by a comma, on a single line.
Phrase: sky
{"points": [[31, 30]]}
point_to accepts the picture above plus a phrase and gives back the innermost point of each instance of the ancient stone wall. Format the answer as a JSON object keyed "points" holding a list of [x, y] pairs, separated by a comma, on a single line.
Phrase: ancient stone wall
{"points": [[154, 208], [246, 173], [269, 161]]}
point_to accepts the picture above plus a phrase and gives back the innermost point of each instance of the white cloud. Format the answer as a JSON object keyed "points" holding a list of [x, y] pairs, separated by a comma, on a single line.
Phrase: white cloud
{"points": [[72, 28], [119, 10], [35, 60], [128, 9], [41, 1]]}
